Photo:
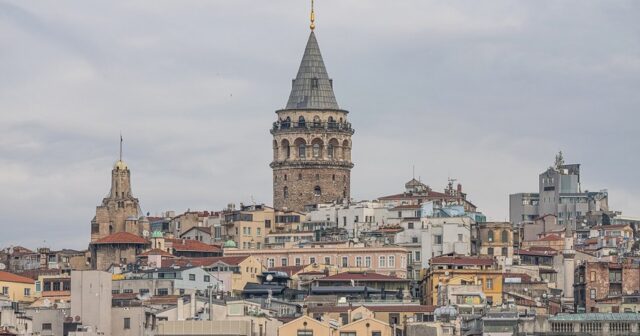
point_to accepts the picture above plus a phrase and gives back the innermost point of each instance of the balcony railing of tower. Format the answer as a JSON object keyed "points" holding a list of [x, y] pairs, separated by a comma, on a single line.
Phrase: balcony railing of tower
{"points": [[296, 126]]}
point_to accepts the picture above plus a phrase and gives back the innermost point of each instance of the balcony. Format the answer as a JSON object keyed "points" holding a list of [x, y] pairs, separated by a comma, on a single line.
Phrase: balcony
{"points": [[280, 126]]}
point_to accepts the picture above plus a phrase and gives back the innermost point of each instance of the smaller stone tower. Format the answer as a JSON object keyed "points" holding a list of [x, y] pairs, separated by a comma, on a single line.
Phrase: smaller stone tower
{"points": [[120, 211]]}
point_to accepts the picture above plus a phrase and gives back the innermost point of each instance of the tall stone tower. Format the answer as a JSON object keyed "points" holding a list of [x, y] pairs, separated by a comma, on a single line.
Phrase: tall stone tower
{"points": [[311, 139], [120, 211]]}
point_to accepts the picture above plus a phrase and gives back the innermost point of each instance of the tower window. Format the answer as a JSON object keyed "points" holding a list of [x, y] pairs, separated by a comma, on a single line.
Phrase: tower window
{"points": [[302, 151], [317, 177], [286, 192], [317, 191], [299, 176], [333, 177], [285, 177], [314, 83], [301, 122]]}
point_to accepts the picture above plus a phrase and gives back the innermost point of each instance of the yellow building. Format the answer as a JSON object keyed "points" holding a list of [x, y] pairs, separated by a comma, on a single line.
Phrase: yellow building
{"points": [[463, 270], [307, 326], [248, 226], [17, 288]]}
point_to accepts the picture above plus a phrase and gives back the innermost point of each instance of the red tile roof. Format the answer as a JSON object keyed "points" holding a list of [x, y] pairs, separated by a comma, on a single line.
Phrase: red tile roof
{"points": [[542, 248], [362, 276], [156, 252], [10, 277], [461, 260], [190, 245], [611, 227], [121, 238], [208, 261], [206, 230]]}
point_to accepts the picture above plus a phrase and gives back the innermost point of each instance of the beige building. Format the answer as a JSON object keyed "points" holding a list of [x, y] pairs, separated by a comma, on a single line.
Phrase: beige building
{"points": [[311, 140], [119, 248], [496, 240], [387, 260], [119, 211], [247, 227], [366, 325], [91, 300]]}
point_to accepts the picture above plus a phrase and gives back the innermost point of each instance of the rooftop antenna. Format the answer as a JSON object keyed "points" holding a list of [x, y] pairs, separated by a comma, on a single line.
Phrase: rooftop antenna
{"points": [[414, 171], [120, 146], [313, 18]]}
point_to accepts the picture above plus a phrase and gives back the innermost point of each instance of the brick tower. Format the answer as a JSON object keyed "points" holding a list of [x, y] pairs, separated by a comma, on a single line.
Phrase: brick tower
{"points": [[311, 140]]}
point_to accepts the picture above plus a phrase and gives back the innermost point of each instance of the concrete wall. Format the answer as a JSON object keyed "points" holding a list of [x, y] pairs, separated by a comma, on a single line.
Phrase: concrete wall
{"points": [[210, 328], [91, 299], [55, 317]]}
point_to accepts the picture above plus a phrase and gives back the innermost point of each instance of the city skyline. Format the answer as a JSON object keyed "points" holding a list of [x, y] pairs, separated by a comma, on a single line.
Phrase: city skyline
{"points": [[187, 108]]}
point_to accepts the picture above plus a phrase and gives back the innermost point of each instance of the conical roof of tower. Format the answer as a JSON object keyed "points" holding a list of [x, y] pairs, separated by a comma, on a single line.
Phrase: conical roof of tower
{"points": [[312, 88]]}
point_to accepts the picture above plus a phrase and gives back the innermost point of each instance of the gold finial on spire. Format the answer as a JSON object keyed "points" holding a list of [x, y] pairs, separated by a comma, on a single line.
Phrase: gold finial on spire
{"points": [[313, 18]]}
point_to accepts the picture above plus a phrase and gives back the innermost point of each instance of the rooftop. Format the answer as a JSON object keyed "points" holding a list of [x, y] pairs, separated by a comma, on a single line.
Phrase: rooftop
{"points": [[461, 260], [121, 238], [10, 277], [361, 276], [190, 245]]}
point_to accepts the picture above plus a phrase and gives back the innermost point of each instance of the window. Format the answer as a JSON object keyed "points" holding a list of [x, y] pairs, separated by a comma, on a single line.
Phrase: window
{"points": [[27, 292], [127, 323], [348, 333], [392, 261], [459, 237], [437, 239], [301, 122], [299, 177], [115, 291], [505, 251], [367, 261], [593, 276], [192, 277], [143, 291], [490, 236], [345, 261], [505, 236], [327, 260], [56, 286], [489, 283], [356, 219], [46, 326], [302, 151], [358, 261], [163, 292], [316, 150], [312, 260], [271, 263], [267, 223], [376, 333], [592, 294], [207, 278], [410, 225], [414, 239], [305, 333], [317, 191], [490, 251], [382, 261], [283, 261], [127, 291], [286, 191], [416, 255], [47, 286], [258, 231]]}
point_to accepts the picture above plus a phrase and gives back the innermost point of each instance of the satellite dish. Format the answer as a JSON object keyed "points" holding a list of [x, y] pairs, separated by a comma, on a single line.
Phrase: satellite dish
{"points": [[269, 277], [145, 233], [3, 266], [77, 318]]}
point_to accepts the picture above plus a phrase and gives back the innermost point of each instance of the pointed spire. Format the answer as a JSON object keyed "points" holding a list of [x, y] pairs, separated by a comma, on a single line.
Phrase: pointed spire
{"points": [[120, 146], [313, 18], [312, 88]]}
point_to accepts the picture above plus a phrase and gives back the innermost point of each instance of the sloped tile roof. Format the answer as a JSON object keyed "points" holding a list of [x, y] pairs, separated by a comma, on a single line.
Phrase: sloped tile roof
{"points": [[10, 277], [208, 261], [190, 245], [362, 276], [121, 238], [461, 260]]}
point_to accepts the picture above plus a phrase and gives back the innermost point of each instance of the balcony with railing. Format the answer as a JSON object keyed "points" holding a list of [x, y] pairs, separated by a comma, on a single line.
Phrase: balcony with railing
{"points": [[302, 126]]}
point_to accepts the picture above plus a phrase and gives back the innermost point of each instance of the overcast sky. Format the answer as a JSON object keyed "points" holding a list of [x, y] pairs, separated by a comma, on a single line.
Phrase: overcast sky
{"points": [[482, 91]]}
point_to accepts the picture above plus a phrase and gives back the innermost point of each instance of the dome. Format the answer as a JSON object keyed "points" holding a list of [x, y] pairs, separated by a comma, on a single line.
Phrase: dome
{"points": [[230, 244], [120, 165], [157, 234]]}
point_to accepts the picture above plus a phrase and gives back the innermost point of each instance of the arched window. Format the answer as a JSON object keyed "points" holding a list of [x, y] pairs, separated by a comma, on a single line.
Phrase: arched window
{"points": [[285, 192], [301, 146], [505, 236], [316, 150], [332, 123], [344, 193], [275, 150], [286, 149], [316, 146], [317, 191], [316, 121], [301, 122], [299, 176], [346, 151], [331, 149], [490, 235], [286, 123], [302, 151], [317, 177]]}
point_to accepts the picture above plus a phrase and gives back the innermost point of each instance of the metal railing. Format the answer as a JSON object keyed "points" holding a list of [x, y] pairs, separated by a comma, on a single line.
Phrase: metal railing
{"points": [[336, 126]]}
